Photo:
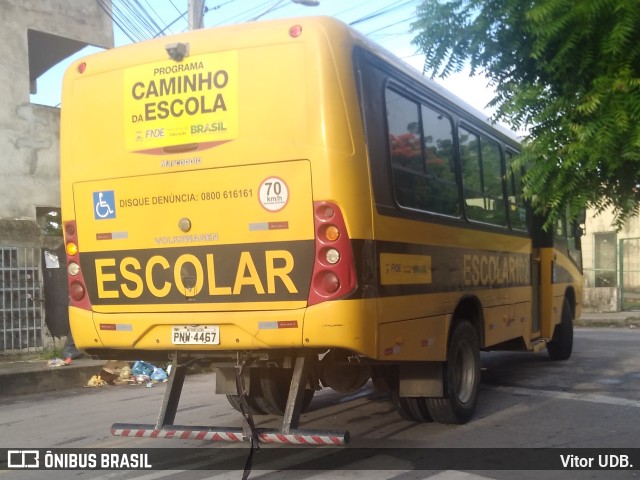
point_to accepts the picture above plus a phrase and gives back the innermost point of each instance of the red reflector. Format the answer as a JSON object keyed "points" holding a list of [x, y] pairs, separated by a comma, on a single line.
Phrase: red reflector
{"points": [[82, 67], [76, 291], [330, 282]]}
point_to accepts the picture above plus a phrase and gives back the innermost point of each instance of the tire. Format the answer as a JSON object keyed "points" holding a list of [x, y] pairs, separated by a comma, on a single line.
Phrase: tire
{"points": [[461, 378], [561, 344], [413, 409], [234, 401], [275, 384]]}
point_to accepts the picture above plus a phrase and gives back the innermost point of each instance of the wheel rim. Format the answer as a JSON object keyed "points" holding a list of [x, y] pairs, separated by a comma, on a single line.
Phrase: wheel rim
{"points": [[464, 372]]}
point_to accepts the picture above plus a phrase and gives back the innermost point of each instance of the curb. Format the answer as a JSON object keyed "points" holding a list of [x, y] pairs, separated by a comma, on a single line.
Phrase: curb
{"points": [[47, 379], [624, 323], [608, 322]]}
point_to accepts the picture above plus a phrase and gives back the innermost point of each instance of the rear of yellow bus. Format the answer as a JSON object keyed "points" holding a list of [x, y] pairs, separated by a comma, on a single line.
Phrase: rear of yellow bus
{"points": [[213, 188]]}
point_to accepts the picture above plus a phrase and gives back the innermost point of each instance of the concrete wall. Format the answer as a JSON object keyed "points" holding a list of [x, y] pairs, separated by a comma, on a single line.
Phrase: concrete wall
{"points": [[612, 298], [601, 299], [29, 134]]}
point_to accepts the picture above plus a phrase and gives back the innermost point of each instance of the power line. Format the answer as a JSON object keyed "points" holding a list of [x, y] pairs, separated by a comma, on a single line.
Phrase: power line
{"points": [[155, 13], [146, 21], [108, 9], [247, 14], [399, 22], [166, 27], [384, 11], [174, 6], [139, 22]]}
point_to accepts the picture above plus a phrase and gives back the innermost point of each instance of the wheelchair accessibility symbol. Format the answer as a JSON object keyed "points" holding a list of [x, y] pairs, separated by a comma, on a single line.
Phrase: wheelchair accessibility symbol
{"points": [[104, 204]]}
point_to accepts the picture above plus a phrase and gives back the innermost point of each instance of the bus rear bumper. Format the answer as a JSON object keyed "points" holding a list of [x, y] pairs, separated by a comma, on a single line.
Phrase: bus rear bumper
{"points": [[248, 330], [346, 324]]}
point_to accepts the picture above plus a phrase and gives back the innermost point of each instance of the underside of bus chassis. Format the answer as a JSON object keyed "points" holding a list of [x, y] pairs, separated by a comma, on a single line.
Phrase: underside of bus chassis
{"points": [[282, 383], [263, 382]]}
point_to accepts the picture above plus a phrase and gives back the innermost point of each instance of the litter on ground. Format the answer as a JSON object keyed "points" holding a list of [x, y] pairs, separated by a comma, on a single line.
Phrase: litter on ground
{"points": [[117, 372]]}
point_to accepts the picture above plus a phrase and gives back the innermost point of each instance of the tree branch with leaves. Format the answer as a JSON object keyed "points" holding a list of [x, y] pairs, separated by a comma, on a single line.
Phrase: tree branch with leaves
{"points": [[569, 73]]}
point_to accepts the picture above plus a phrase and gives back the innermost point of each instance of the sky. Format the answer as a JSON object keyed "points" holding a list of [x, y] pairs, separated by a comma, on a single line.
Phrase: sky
{"points": [[386, 22]]}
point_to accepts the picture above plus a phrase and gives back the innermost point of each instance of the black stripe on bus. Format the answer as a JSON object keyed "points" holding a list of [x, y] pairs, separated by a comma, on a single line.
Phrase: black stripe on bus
{"points": [[450, 269], [274, 271]]}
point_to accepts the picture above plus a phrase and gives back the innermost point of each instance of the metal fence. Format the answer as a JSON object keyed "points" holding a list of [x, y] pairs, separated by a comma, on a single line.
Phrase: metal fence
{"points": [[629, 249], [622, 280], [600, 277], [22, 325]]}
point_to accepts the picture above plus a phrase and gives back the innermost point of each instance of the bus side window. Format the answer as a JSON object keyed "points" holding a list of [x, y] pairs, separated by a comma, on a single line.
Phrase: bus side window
{"points": [[407, 157], [422, 161], [442, 188], [482, 178], [517, 206], [471, 174], [565, 232]]}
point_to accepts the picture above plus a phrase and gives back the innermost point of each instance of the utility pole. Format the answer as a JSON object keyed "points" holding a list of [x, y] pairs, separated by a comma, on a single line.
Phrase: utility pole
{"points": [[196, 11]]}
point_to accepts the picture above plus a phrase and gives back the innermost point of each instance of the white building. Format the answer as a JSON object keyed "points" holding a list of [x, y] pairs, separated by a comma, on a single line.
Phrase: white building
{"points": [[611, 262]]}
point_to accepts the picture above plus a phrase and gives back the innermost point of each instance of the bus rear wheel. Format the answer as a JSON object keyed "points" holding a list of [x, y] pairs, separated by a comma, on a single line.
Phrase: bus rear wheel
{"points": [[413, 409], [275, 384], [461, 378], [254, 405]]}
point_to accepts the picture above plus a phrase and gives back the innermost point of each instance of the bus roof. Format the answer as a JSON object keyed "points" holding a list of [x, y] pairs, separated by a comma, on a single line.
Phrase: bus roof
{"points": [[411, 71]]}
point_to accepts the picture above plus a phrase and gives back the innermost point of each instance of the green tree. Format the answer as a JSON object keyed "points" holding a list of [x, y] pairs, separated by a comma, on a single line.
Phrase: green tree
{"points": [[569, 72]]}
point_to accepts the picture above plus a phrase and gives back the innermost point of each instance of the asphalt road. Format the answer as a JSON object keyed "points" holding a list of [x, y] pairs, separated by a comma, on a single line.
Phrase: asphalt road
{"points": [[526, 400]]}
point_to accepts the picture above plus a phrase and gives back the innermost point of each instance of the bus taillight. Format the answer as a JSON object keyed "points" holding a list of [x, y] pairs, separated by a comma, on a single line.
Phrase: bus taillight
{"points": [[76, 291], [77, 288], [334, 273]]}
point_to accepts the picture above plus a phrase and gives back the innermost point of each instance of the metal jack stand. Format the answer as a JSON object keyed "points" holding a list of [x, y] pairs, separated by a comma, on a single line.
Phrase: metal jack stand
{"points": [[287, 434]]}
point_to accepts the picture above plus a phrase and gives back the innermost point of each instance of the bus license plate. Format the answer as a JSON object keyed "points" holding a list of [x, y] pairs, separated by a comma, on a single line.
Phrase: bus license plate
{"points": [[196, 335]]}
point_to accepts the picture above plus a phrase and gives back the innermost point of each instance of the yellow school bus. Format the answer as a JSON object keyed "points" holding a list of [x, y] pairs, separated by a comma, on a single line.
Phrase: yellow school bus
{"points": [[296, 206]]}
